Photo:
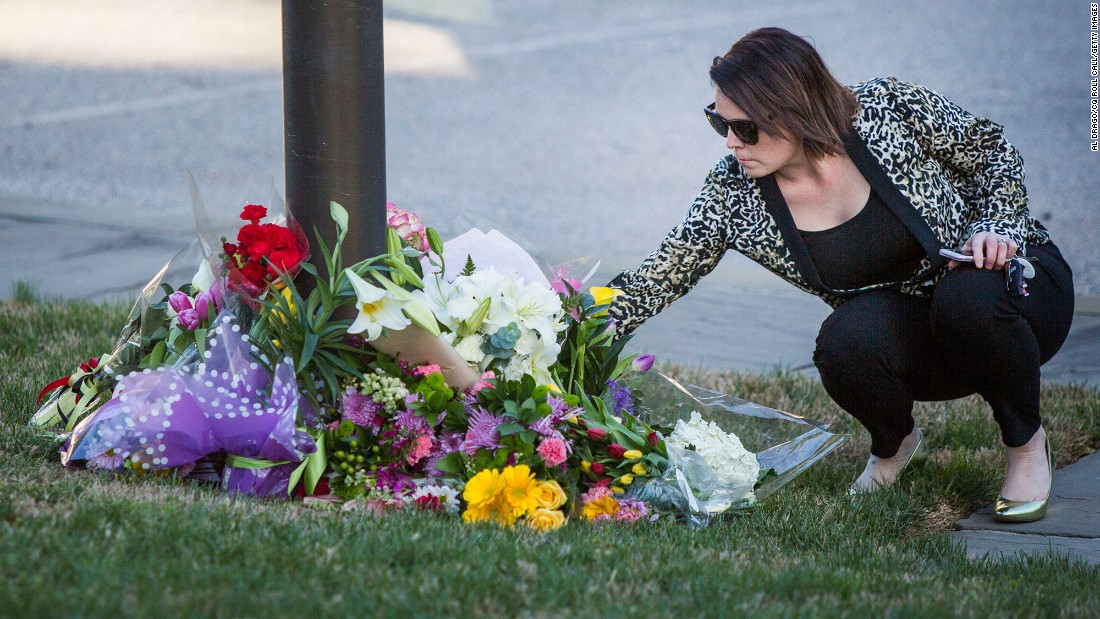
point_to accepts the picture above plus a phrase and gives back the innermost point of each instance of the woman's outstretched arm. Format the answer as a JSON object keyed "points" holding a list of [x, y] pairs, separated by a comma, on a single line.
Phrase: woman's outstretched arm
{"points": [[690, 250]]}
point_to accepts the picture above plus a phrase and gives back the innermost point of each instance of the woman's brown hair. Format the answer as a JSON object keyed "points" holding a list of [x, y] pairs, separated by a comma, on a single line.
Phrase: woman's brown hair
{"points": [[782, 83]]}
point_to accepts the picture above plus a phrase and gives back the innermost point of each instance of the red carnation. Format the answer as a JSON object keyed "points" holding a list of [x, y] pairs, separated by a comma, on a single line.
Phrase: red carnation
{"points": [[255, 273], [616, 451], [253, 213], [229, 249], [597, 434]]}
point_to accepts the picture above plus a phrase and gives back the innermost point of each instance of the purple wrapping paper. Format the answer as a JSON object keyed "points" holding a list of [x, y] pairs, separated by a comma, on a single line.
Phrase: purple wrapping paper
{"points": [[168, 417]]}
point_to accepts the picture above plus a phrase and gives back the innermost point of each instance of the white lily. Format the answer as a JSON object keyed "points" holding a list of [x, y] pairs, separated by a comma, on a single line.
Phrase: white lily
{"points": [[414, 306], [377, 309]]}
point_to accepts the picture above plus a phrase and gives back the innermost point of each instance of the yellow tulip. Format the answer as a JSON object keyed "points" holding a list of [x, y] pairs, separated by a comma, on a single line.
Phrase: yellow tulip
{"points": [[586, 466], [632, 454], [618, 489], [639, 469], [627, 479]]}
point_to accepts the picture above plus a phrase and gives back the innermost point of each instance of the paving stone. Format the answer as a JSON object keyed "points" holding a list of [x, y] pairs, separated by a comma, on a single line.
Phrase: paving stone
{"points": [[1073, 512], [1001, 544]]}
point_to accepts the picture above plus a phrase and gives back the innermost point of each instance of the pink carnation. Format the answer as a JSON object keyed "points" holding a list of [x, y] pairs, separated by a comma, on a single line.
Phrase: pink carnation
{"points": [[483, 383], [429, 368], [631, 511], [422, 447], [553, 451], [596, 493]]}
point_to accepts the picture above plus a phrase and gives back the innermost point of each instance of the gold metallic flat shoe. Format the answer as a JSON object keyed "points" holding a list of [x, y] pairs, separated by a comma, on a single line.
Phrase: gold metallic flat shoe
{"points": [[918, 457], [1025, 511]]}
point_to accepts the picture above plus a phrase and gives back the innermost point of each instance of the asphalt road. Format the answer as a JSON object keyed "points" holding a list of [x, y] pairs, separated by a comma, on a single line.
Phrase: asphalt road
{"points": [[573, 125]]}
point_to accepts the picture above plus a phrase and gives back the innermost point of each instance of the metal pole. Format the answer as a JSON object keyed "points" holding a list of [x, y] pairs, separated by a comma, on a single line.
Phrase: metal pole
{"points": [[334, 121]]}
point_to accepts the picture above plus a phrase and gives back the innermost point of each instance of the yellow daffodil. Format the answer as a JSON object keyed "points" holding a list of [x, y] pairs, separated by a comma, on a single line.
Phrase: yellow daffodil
{"points": [[632, 454], [545, 520], [377, 309], [603, 296], [639, 469]]}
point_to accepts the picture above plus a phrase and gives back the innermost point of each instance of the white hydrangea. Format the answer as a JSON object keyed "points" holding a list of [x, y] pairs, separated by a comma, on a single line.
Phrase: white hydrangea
{"points": [[723, 452]]}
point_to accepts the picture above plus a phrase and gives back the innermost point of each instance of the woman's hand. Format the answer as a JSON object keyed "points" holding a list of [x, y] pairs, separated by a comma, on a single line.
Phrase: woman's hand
{"points": [[991, 250]]}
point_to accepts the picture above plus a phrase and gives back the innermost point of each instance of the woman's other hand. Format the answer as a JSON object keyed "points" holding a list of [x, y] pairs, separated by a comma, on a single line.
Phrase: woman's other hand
{"points": [[990, 250]]}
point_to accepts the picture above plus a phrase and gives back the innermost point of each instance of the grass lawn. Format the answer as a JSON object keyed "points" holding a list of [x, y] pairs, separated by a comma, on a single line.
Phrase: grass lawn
{"points": [[73, 543]]}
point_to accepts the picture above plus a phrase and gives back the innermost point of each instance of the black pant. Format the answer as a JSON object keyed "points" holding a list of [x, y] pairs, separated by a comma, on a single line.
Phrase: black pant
{"points": [[881, 351]]}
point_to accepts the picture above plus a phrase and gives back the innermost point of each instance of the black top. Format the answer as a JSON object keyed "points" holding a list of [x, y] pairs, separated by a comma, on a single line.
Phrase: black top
{"points": [[873, 247]]}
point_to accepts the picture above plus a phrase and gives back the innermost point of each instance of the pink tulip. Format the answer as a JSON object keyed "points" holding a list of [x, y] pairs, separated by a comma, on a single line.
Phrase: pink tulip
{"points": [[189, 319], [179, 301]]}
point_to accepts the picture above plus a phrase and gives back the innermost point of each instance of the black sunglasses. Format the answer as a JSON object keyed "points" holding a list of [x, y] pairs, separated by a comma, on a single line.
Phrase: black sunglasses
{"points": [[745, 130]]}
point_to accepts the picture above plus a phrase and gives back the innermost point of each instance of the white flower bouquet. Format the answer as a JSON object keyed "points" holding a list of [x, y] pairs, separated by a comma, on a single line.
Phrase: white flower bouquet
{"points": [[725, 454]]}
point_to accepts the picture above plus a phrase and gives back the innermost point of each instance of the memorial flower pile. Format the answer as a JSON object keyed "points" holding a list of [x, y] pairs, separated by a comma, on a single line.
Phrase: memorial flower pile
{"points": [[392, 383]]}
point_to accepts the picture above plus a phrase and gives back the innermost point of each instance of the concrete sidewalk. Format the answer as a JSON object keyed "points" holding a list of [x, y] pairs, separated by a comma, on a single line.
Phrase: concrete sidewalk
{"points": [[1071, 527]]}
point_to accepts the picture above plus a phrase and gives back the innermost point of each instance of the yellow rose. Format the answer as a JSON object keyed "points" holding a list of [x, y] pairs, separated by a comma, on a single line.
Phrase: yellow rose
{"points": [[639, 469], [551, 495], [632, 454], [627, 479], [545, 520], [603, 296]]}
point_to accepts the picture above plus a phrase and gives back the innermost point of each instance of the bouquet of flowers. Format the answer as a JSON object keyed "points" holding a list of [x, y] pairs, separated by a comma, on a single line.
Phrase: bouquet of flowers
{"points": [[394, 383]]}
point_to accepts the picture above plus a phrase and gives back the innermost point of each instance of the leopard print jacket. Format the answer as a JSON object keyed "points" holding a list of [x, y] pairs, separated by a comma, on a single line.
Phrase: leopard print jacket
{"points": [[944, 172]]}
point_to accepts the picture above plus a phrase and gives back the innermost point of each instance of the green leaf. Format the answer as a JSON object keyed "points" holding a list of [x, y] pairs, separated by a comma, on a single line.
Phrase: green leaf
{"points": [[309, 345], [452, 463], [509, 428], [468, 270]]}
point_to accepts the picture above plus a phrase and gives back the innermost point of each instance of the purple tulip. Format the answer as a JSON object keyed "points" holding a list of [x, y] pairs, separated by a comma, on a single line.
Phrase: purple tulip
{"points": [[642, 363], [217, 293], [189, 319], [179, 301], [203, 304]]}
